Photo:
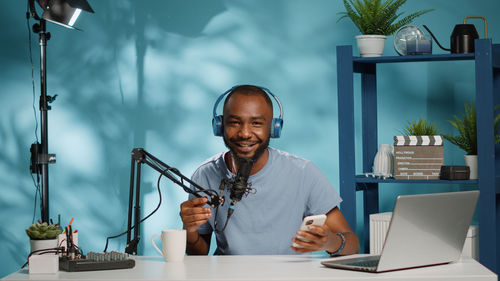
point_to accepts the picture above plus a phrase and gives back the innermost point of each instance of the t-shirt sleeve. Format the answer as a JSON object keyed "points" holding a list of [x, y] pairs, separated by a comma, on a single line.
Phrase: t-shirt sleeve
{"points": [[200, 180], [322, 195]]}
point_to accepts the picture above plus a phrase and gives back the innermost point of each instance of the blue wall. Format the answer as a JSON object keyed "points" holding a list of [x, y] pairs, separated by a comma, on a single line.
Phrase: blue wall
{"points": [[141, 76]]}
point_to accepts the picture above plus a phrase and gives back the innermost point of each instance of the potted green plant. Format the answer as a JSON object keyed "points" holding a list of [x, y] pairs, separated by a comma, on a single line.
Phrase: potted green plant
{"points": [[467, 135], [43, 236], [422, 127], [376, 19]]}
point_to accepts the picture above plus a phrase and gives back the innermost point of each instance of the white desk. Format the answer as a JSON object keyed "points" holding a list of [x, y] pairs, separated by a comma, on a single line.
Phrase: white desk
{"points": [[293, 267]]}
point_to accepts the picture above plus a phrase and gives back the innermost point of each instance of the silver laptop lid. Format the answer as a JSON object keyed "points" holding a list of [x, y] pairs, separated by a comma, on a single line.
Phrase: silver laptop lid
{"points": [[427, 229]]}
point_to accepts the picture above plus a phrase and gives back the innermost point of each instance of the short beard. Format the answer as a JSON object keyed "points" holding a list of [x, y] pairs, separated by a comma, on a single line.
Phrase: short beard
{"points": [[257, 154]]}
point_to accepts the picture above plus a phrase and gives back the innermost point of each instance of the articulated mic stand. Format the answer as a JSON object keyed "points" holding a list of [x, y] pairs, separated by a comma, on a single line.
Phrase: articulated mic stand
{"points": [[140, 156]]}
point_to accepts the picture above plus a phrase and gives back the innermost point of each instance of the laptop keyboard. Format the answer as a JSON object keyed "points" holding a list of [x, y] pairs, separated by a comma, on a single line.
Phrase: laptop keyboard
{"points": [[362, 263], [369, 263]]}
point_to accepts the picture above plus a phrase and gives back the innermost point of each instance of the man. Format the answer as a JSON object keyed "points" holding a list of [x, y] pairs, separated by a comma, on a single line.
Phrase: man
{"points": [[284, 189]]}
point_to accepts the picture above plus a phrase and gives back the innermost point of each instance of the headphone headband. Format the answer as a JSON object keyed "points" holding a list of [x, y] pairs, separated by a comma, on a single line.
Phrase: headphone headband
{"points": [[276, 124]]}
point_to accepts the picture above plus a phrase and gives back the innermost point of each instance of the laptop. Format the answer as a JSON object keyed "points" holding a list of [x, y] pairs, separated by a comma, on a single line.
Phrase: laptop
{"points": [[425, 229]]}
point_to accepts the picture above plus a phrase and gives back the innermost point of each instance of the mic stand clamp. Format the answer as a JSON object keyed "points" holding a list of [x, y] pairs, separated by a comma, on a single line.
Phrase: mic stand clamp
{"points": [[131, 247]]}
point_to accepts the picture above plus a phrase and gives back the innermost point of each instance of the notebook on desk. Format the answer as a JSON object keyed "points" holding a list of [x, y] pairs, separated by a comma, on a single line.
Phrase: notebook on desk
{"points": [[425, 229]]}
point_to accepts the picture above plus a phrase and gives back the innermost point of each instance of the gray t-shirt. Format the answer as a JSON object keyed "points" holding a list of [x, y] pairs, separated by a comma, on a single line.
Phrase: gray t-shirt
{"points": [[286, 190]]}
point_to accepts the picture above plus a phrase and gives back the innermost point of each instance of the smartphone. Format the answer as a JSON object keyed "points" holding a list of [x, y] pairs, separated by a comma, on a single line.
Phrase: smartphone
{"points": [[317, 220]]}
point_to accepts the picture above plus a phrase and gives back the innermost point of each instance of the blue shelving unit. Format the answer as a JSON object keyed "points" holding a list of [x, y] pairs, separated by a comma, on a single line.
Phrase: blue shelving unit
{"points": [[487, 76]]}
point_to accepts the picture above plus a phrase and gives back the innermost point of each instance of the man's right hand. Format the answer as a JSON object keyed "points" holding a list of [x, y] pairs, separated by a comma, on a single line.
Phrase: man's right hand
{"points": [[193, 214]]}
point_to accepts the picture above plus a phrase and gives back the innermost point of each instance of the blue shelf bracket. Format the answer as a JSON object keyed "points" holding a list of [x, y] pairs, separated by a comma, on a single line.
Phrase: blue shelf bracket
{"points": [[370, 142], [346, 130], [487, 168]]}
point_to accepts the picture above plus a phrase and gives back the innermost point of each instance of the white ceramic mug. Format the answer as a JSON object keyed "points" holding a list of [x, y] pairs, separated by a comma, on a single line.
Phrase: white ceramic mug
{"points": [[173, 244]]}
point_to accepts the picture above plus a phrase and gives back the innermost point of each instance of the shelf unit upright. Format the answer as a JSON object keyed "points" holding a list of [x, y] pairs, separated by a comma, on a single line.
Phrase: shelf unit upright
{"points": [[487, 79]]}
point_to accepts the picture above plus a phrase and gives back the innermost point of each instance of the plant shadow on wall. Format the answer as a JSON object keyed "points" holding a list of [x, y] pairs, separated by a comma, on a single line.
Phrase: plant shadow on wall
{"points": [[13, 188], [85, 70], [123, 108], [136, 76]]}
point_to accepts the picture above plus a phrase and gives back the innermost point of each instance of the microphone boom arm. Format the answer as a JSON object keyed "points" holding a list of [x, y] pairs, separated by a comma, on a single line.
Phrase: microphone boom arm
{"points": [[139, 157]]}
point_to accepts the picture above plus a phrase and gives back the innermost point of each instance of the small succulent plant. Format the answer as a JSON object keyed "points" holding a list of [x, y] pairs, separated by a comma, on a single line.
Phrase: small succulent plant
{"points": [[41, 231]]}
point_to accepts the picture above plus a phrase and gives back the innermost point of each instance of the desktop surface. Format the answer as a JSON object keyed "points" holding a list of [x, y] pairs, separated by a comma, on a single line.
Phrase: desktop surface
{"points": [[290, 267]]}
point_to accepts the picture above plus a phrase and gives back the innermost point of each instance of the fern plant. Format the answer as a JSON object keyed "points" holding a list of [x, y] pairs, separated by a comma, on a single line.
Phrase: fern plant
{"points": [[420, 128], [377, 17], [467, 131]]}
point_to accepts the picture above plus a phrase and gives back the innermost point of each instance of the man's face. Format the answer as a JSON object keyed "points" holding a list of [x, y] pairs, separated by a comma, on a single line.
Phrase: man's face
{"points": [[247, 125]]}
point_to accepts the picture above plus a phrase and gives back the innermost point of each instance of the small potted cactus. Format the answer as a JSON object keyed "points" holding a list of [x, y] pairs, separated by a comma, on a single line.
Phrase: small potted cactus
{"points": [[43, 236]]}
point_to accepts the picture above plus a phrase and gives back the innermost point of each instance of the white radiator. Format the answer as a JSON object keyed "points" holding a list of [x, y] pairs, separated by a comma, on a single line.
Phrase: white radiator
{"points": [[379, 224]]}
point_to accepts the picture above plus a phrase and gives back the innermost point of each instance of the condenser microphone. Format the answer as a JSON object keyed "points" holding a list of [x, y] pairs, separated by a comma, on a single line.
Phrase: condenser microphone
{"points": [[240, 184]]}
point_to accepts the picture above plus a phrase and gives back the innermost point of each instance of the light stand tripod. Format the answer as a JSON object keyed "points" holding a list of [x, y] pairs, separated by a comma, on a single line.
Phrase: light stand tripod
{"points": [[40, 158], [65, 13]]}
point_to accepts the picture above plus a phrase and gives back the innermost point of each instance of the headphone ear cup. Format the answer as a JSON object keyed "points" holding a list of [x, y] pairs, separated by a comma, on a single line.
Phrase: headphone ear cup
{"points": [[217, 126], [276, 126]]}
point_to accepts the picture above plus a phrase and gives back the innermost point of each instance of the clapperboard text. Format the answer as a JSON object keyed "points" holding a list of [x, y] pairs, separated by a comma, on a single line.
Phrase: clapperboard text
{"points": [[418, 157]]}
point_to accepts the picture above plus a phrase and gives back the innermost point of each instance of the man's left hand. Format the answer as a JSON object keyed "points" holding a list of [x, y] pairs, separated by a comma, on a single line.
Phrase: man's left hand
{"points": [[317, 237]]}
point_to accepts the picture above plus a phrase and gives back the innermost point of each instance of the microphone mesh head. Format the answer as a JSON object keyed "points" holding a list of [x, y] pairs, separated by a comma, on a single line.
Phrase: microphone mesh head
{"points": [[240, 183]]}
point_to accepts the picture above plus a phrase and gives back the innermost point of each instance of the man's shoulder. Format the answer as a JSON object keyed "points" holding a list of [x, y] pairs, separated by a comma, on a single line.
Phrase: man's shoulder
{"points": [[286, 158], [213, 163]]}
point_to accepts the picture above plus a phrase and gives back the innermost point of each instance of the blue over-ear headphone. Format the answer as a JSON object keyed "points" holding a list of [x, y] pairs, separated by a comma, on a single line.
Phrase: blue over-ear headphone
{"points": [[276, 123]]}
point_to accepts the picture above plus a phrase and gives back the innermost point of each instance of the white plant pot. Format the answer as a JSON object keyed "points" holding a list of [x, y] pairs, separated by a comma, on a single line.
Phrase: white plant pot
{"points": [[371, 45], [471, 161], [42, 244]]}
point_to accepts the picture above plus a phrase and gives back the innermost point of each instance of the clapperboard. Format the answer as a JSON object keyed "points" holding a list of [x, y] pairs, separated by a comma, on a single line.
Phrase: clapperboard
{"points": [[418, 157]]}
